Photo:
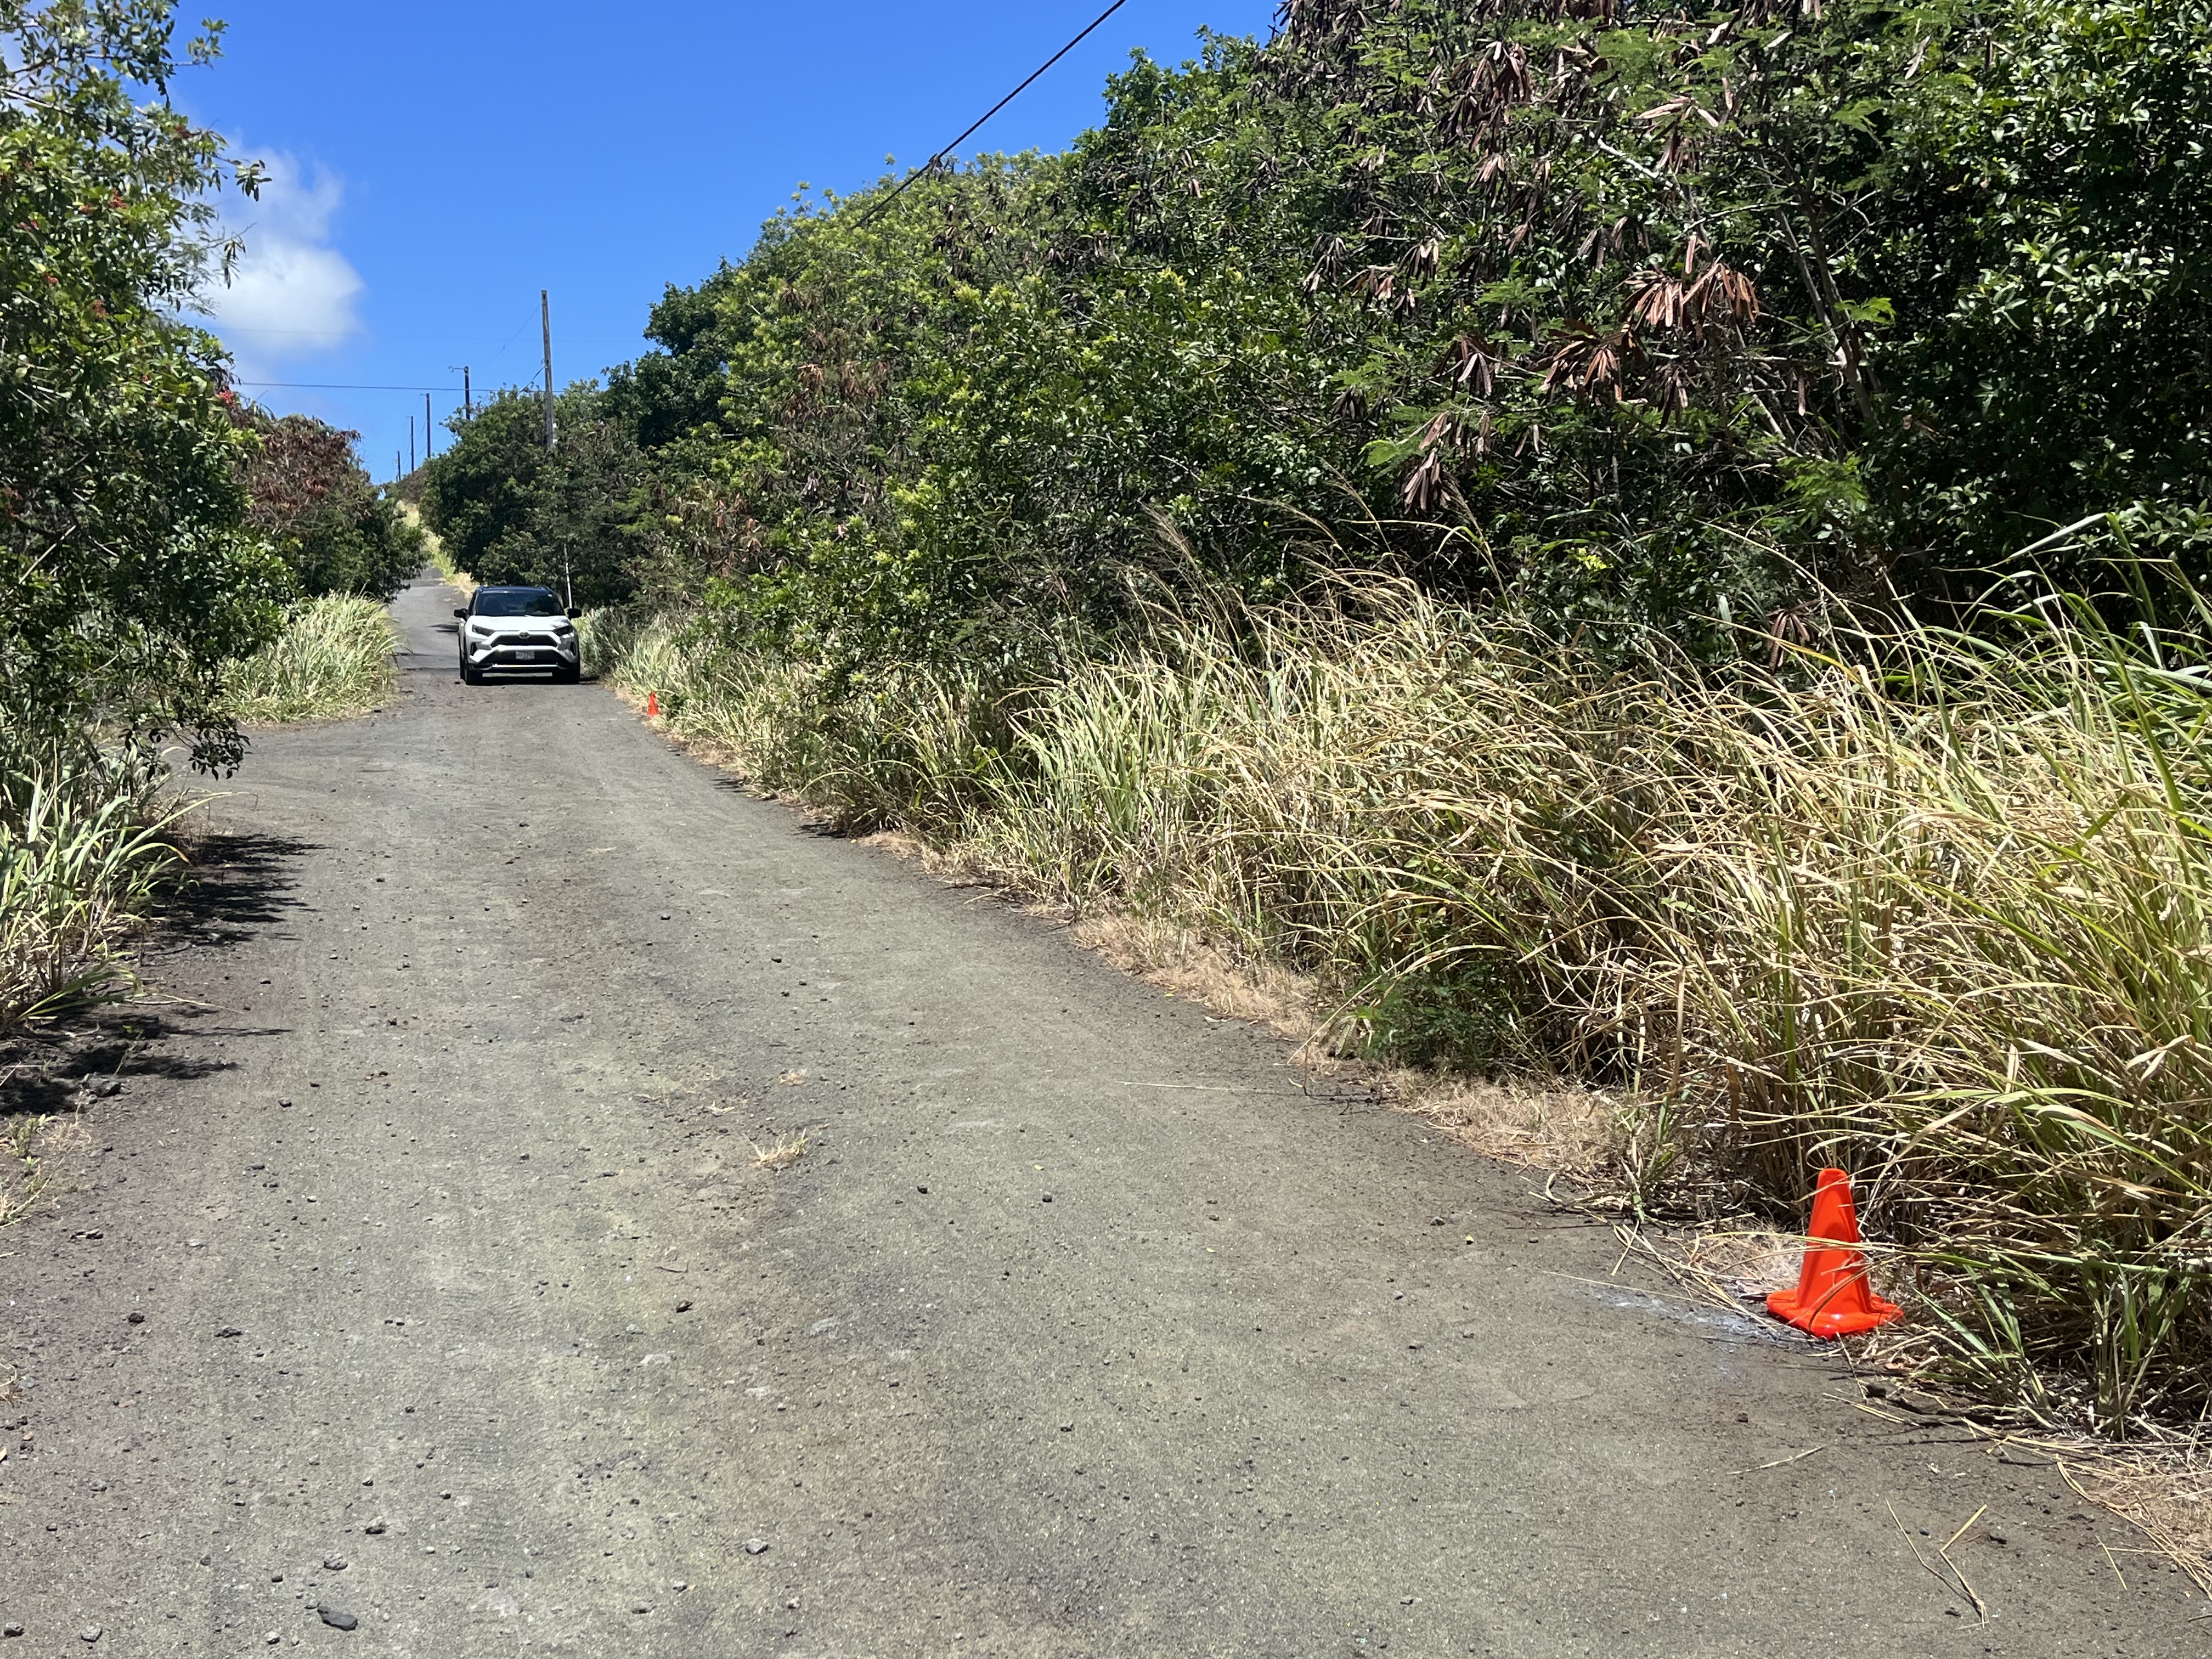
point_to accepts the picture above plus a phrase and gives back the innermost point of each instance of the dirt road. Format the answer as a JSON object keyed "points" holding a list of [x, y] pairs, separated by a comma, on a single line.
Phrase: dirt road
{"points": [[1080, 1329]]}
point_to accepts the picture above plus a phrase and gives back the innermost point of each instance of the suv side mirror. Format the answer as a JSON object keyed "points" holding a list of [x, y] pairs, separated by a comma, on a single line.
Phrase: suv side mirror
{"points": [[575, 610], [463, 611]]}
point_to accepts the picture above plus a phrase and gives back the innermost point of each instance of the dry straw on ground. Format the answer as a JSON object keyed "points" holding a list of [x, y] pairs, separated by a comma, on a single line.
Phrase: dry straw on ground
{"points": [[43, 1155], [781, 1152]]}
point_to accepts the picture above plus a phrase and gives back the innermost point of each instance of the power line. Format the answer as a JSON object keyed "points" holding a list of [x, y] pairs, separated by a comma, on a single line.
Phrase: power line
{"points": [[931, 163], [335, 386]]}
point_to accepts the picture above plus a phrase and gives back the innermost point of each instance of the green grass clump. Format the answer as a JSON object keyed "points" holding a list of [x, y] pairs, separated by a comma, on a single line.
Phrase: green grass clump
{"points": [[334, 657], [1938, 912], [83, 845]]}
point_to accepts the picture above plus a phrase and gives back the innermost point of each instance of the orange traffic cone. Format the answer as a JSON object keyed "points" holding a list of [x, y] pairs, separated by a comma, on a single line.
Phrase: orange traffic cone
{"points": [[653, 705], [1833, 1297]]}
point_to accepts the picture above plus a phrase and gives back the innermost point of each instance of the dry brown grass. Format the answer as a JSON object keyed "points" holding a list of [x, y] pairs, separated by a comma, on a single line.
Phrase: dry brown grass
{"points": [[1558, 1129], [781, 1152], [2164, 1494], [42, 1158], [1937, 912], [1184, 962]]}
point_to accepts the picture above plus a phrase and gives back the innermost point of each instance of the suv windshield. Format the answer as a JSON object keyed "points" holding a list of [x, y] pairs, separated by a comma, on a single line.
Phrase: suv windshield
{"points": [[516, 602]]}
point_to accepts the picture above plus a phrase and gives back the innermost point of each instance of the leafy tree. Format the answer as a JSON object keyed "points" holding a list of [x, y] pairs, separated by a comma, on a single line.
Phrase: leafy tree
{"points": [[127, 577], [1656, 318], [480, 491], [510, 512], [2060, 362], [314, 502]]}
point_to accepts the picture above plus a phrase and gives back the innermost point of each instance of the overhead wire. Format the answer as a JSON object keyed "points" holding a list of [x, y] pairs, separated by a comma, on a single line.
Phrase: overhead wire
{"points": [[930, 166], [927, 167], [338, 386]]}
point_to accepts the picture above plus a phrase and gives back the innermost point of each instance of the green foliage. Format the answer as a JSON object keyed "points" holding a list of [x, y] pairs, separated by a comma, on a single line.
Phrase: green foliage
{"points": [[127, 576], [314, 503], [2067, 367], [479, 493], [82, 849], [1651, 320], [508, 511]]}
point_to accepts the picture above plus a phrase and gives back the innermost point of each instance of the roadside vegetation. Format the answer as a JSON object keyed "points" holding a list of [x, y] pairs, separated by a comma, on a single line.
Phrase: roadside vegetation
{"points": [[441, 557], [1934, 910], [172, 560], [334, 657], [82, 847], [1660, 550]]}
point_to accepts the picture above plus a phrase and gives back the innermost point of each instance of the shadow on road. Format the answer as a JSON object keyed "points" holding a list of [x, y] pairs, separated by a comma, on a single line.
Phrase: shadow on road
{"points": [[235, 884]]}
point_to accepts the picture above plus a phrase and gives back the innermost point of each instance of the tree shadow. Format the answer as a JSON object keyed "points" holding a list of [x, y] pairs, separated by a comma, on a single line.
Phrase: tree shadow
{"points": [[234, 885]]}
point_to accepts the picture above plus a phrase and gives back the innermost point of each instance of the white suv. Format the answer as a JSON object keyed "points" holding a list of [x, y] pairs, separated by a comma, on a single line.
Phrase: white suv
{"points": [[517, 628]]}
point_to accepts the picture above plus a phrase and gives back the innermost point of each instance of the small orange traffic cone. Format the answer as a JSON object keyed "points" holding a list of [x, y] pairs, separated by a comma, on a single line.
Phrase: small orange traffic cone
{"points": [[653, 705], [1833, 1297]]}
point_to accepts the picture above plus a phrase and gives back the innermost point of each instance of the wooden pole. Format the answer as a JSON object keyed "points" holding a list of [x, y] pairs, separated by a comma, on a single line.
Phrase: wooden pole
{"points": [[545, 322]]}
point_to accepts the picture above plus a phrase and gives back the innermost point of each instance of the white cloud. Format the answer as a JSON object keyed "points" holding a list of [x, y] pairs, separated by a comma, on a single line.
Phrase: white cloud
{"points": [[291, 294]]}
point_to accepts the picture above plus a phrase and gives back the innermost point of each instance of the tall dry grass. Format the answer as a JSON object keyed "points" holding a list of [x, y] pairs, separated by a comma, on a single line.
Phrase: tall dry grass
{"points": [[334, 657], [1934, 911]]}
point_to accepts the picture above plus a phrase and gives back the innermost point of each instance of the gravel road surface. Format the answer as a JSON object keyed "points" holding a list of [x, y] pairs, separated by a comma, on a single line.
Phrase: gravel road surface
{"points": [[426, 1299]]}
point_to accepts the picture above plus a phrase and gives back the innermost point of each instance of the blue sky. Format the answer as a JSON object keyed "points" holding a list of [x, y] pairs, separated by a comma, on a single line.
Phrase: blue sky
{"points": [[434, 165]]}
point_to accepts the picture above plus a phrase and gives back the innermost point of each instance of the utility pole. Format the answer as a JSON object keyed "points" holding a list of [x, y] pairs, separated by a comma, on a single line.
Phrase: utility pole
{"points": [[545, 322], [468, 402], [429, 442], [397, 475], [411, 443]]}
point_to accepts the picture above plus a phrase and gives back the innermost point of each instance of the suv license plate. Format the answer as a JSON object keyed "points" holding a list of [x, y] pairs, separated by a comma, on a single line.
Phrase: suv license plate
{"points": [[525, 656]]}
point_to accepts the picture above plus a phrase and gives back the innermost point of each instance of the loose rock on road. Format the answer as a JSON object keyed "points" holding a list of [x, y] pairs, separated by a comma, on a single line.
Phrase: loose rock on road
{"points": [[468, 1324]]}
